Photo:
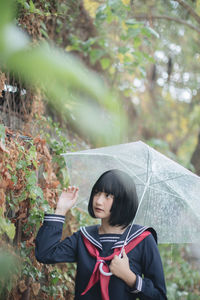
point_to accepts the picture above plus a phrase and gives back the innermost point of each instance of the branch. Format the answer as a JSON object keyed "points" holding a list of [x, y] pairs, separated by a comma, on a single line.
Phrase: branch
{"points": [[190, 10], [164, 17]]}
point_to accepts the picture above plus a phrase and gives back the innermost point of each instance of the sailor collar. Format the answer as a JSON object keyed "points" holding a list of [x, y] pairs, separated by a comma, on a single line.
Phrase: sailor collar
{"points": [[91, 233]]}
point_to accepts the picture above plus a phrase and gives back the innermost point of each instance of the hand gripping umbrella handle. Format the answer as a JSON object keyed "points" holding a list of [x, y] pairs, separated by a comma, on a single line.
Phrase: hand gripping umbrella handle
{"points": [[102, 271]]}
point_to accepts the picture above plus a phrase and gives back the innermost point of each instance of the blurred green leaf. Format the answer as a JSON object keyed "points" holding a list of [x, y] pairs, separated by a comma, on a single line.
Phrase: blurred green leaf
{"points": [[150, 32], [7, 227], [96, 54], [7, 11], [2, 133], [105, 63], [62, 77], [9, 270]]}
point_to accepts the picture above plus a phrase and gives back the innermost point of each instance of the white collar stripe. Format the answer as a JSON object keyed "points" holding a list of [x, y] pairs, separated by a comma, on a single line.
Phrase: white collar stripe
{"points": [[133, 236], [90, 238], [107, 238], [103, 241]]}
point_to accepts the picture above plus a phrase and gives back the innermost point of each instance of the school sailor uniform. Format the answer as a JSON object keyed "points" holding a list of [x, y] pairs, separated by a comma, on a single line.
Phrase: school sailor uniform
{"points": [[144, 259]]}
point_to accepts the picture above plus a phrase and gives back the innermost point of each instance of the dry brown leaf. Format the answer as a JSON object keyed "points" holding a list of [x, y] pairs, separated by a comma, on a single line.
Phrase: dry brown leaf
{"points": [[22, 286], [35, 288], [15, 294], [6, 174], [10, 184], [39, 140], [2, 199], [46, 152], [22, 216], [3, 148], [55, 184], [69, 296], [2, 82], [3, 184]]}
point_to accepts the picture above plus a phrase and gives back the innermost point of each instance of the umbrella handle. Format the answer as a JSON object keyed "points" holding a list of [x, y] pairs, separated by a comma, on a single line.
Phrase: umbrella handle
{"points": [[102, 271]]}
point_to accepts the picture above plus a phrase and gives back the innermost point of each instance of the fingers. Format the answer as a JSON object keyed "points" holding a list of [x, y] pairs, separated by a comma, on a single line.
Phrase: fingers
{"points": [[124, 255], [71, 189]]}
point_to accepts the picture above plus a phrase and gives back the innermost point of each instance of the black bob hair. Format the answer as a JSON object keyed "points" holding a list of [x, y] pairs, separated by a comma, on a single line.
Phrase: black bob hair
{"points": [[125, 203]]}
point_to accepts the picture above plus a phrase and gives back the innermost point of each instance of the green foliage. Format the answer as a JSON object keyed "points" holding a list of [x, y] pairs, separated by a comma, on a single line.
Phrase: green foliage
{"points": [[6, 227], [182, 278], [2, 133], [124, 48], [9, 271], [121, 47], [30, 8], [58, 144], [29, 205], [63, 79]]}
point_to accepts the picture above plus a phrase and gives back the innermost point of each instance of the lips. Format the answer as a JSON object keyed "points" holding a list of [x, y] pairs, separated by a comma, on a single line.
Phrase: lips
{"points": [[98, 209]]}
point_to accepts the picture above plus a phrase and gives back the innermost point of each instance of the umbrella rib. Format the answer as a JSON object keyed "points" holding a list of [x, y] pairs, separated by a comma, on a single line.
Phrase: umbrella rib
{"points": [[148, 178], [148, 164], [157, 190], [75, 153], [129, 171], [146, 186], [167, 179], [187, 203], [179, 197]]}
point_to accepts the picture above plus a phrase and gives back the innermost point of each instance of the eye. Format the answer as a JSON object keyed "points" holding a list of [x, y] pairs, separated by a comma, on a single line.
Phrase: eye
{"points": [[108, 195], [96, 192]]}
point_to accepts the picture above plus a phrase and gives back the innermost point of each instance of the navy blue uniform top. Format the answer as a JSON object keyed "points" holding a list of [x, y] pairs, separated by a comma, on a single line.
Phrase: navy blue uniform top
{"points": [[144, 259]]}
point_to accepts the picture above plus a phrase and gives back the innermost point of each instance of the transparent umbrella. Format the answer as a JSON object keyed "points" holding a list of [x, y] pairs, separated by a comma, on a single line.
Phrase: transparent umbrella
{"points": [[169, 194]]}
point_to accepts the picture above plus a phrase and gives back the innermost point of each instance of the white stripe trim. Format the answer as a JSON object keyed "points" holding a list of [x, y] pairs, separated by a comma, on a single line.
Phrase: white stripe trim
{"points": [[54, 219], [90, 238], [104, 241], [133, 236], [109, 237], [139, 285], [54, 215], [57, 217]]}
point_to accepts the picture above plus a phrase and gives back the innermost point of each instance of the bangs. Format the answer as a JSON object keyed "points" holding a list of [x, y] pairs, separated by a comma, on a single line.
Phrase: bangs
{"points": [[108, 184]]}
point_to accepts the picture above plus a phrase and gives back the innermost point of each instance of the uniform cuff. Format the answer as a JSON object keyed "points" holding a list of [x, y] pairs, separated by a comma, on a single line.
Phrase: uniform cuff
{"points": [[54, 218], [138, 285]]}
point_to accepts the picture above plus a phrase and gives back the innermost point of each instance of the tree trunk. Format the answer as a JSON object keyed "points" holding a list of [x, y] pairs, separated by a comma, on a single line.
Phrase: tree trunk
{"points": [[195, 160]]}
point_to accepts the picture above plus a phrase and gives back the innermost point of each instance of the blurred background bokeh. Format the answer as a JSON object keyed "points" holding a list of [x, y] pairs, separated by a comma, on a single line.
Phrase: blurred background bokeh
{"points": [[84, 74]]}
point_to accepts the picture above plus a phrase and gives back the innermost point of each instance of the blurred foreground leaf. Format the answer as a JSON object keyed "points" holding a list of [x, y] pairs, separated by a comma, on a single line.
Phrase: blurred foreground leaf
{"points": [[9, 270], [63, 79]]}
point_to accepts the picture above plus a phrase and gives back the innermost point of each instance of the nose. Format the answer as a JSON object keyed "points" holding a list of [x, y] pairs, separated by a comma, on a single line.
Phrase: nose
{"points": [[100, 198]]}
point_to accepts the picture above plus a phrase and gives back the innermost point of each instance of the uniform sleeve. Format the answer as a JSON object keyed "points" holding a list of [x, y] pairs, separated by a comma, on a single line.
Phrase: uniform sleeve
{"points": [[49, 247], [152, 285]]}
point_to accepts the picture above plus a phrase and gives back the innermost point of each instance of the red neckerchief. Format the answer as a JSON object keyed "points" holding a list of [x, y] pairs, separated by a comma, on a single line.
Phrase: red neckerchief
{"points": [[96, 274]]}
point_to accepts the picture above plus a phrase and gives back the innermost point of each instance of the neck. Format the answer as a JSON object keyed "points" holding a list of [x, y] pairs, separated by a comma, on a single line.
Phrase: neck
{"points": [[107, 228]]}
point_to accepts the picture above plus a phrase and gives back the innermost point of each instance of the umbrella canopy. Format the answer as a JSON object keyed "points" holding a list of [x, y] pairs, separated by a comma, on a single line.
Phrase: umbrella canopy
{"points": [[169, 194]]}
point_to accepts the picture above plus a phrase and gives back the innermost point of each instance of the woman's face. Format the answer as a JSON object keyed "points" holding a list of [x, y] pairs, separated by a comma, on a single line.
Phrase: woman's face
{"points": [[102, 203]]}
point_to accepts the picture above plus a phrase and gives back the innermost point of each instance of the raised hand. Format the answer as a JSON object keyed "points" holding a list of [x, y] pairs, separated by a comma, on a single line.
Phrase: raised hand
{"points": [[67, 200]]}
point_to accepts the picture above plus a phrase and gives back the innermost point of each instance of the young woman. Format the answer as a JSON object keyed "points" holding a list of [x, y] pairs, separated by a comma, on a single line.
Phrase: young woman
{"points": [[115, 261]]}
